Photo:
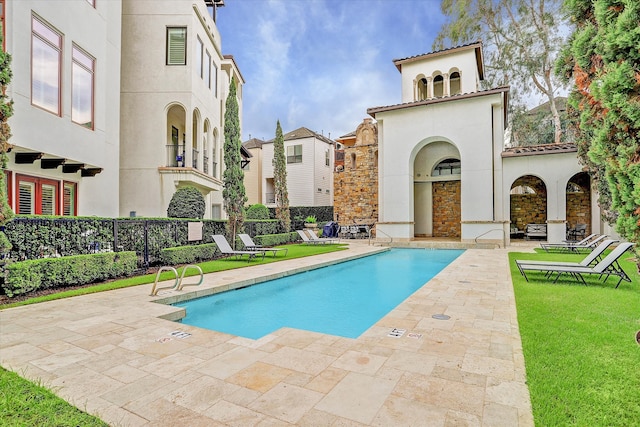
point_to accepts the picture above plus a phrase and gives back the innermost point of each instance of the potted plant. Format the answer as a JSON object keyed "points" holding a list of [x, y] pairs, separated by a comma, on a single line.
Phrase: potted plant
{"points": [[311, 222]]}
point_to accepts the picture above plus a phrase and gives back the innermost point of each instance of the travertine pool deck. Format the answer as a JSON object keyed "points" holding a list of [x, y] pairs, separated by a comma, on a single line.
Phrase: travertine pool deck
{"points": [[112, 355]]}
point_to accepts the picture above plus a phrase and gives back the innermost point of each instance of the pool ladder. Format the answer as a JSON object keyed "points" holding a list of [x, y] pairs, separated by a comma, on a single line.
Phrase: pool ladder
{"points": [[178, 285]]}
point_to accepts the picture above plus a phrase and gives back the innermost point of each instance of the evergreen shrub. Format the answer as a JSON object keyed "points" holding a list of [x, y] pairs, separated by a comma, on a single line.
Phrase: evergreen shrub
{"points": [[32, 275]]}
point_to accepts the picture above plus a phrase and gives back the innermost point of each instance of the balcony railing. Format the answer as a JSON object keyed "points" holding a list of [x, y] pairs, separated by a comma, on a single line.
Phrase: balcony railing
{"points": [[214, 171], [194, 158], [175, 155], [205, 164]]}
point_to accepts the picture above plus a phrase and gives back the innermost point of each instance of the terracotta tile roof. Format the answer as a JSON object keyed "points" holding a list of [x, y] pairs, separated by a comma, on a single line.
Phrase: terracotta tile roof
{"points": [[373, 110], [536, 150], [475, 45]]}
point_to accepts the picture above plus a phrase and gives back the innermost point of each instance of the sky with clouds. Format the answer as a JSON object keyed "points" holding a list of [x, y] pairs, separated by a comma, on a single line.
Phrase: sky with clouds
{"points": [[321, 63]]}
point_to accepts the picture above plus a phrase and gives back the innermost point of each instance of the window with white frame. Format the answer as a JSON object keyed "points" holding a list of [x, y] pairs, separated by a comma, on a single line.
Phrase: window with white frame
{"points": [[294, 153], [82, 86], [176, 46], [215, 80], [327, 159], [46, 60], [207, 69], [199, 57]]}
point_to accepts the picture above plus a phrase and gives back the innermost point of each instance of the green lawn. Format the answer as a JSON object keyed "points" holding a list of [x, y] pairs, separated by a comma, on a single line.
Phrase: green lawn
{"points": [[579, 345]]}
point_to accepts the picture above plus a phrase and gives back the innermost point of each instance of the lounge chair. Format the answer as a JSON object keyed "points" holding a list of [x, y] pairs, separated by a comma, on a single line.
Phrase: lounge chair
{"points": [[225, 248], [307, 240], [314, 236], [247, 241], [594, 257], [588, 243], [609, 266]]}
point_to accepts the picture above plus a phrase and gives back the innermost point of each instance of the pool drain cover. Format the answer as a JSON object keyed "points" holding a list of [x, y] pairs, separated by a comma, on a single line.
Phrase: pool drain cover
{"points": [[441, 317]]}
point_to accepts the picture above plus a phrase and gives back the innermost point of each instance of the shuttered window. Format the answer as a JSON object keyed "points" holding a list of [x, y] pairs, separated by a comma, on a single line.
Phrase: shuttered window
{"points": [[37, 196], [176, 46], [69, 199], [26, 198]]}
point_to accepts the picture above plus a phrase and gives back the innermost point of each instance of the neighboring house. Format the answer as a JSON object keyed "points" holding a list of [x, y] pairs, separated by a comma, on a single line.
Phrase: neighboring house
{"points": [[65, 89], [253, 171], [442, 169], [174, 88], [310, 159]]}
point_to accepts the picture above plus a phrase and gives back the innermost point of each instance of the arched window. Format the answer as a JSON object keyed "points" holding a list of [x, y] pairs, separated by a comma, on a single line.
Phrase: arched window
{"points": [[422, 89], [353, 160], [438, 86], [375, 158], [447, 167], [454, 83]]}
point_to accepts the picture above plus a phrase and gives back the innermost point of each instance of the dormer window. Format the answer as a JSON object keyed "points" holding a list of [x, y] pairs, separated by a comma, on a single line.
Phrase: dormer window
{"points": [[438, 86], [454, 84]]}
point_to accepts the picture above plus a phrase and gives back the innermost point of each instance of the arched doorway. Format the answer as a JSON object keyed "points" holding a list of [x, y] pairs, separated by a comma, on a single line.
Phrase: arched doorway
{"points": [[176, 128], [528, 202], [579, 202], [437, 191]]}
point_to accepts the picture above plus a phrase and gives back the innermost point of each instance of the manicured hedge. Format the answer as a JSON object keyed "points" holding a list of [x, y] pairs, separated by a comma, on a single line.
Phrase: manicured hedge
{"points": [[31, 275], [188, 254], [276, 239]]}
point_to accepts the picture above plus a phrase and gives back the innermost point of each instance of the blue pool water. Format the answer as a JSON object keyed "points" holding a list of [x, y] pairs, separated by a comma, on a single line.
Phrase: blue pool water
{"points": [[345, 299]]}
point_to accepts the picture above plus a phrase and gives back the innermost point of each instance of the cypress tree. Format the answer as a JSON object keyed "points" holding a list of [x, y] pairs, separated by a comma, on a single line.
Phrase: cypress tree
{"points": [[234, 193], [603, 59], [6, 111], [280, 181]]}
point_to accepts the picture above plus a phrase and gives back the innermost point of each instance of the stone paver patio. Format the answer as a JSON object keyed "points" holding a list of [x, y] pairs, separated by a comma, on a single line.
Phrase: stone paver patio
{"points": [[112, 355]]}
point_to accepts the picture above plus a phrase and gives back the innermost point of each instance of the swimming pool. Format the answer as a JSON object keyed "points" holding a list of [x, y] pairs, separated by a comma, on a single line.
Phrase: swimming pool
{"points": [[344, 299]]}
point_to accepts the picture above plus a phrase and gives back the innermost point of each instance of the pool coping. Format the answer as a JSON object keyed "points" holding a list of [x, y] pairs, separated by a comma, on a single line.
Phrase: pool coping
{"points": [[113, 355]]}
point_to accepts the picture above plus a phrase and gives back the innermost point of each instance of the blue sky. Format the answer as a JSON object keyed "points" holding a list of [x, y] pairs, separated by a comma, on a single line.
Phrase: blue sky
{"points": [[321, 63]]}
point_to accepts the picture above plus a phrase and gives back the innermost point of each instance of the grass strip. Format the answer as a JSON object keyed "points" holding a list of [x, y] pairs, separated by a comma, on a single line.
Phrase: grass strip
{"points": [[221, 264], [24, 403], [578, 341]]}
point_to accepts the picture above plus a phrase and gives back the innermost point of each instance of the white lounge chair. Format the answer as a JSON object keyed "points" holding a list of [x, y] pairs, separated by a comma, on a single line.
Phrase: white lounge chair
{"points": [[588, 243], [314, 236], [609, 266], [307, 240], [249, 245], [594, 257], [225, 248]]}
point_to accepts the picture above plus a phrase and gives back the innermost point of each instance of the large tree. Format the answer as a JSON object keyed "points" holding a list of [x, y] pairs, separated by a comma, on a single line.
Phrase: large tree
{"points": [[280, 180], [603, 59], [522, 40], [6, 111], [234, 193]]}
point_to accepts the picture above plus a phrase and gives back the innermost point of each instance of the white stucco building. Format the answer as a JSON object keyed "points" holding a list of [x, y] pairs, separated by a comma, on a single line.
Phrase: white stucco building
{"points": [[443, 169], [66, 94], [175, 81]]}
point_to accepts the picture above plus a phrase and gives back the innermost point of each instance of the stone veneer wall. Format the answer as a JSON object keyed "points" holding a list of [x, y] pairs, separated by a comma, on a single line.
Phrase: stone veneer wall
{"points": [[529, 208], [579, 210], [355, 189], [446, 209]]}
